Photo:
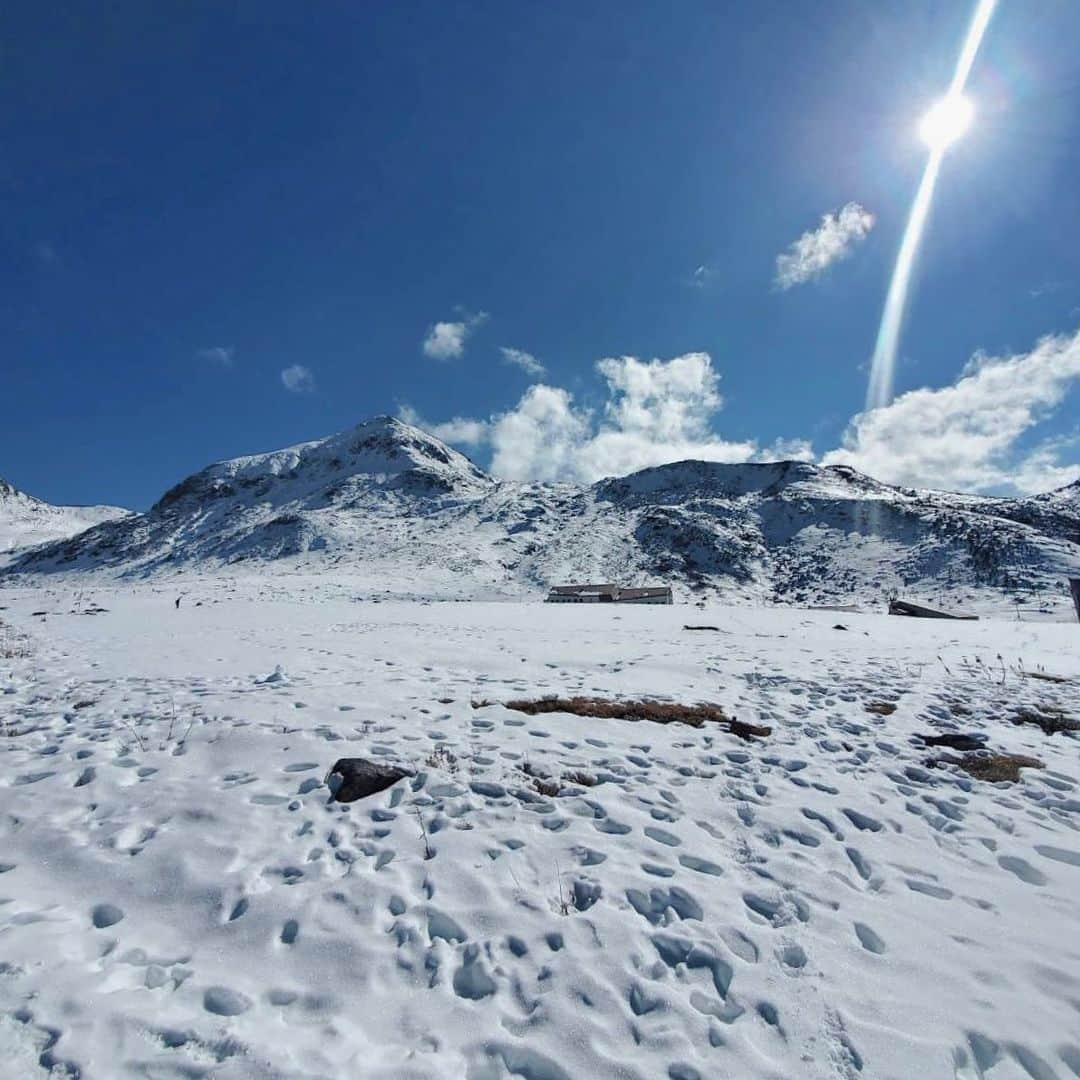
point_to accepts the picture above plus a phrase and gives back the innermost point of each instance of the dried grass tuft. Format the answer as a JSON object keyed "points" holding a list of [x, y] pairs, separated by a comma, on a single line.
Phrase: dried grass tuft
{"points": [[657, 712]]}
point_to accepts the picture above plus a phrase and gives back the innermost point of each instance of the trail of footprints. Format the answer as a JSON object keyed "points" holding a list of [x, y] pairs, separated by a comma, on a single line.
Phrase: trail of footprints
{"points": [[336, 843]]}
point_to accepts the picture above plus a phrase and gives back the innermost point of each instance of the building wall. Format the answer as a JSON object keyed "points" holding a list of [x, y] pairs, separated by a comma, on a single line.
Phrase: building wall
{"points": [[598, 598]]}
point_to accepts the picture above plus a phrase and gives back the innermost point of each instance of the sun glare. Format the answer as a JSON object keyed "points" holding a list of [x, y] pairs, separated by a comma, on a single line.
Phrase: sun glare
{"points": [[940, 128], [946, 121]]}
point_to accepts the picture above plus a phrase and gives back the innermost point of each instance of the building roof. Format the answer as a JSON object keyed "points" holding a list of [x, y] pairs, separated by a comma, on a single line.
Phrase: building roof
{"points": [[614, 590], [570, 590]]}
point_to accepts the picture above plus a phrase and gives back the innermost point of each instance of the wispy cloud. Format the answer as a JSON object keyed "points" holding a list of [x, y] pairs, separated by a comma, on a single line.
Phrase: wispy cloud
{"points": [[700, 278], [524, 360], [967, 436], [222, 355], [298, 379], [816, 250], [1047, 288], [460, 430], [446, 340]]}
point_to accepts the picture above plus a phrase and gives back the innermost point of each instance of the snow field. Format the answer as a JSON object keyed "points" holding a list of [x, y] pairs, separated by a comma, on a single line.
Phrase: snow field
{"points": [[178, 897]]}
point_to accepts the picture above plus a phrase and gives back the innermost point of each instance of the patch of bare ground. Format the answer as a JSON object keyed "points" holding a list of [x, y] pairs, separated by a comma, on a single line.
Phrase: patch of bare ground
{"points": [[998, 766], [441, 758], [13, 645], [540, 781], [543, 783], [1045, 676], [990, 766], [1050, 723], [881, 708], [658, 712], [581, 779]]}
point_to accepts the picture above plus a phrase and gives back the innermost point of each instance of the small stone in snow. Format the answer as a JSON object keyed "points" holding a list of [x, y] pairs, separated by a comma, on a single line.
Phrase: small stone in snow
{"points": [[356, 778]]}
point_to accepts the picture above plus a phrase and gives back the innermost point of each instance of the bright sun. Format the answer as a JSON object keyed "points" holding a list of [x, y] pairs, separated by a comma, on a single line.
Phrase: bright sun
{"points": [[946, 121]]}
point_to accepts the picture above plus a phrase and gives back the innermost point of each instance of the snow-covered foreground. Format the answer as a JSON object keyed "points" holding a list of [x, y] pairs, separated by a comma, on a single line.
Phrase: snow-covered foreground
{"points": [[180, 898]]}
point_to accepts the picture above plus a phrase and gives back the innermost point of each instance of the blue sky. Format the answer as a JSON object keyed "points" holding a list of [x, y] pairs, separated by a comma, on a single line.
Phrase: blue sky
{"points": [[228, 228]]}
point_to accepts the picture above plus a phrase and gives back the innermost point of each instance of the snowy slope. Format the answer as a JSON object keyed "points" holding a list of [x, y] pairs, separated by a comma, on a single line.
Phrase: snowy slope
{"points": [[26, 521], [181, 899], [398, 511]]}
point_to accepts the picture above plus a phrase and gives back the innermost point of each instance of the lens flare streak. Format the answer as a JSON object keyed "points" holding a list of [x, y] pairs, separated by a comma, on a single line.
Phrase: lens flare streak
{"points": [[883, 364]]}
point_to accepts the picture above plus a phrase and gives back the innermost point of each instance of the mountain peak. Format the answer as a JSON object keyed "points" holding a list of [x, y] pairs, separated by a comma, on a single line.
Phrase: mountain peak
{"points": [[26, 521], [382, 452], [693, 479], [401, 446], [9, 492]]}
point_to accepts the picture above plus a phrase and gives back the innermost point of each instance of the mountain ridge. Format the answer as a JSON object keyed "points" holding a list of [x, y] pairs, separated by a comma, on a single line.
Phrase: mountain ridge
{"points": [[26, 521], [395, 505]]}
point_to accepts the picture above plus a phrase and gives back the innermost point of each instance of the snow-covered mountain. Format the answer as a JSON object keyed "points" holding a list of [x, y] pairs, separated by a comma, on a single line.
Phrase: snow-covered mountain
{"points": [[397, 510], [26, 521]]}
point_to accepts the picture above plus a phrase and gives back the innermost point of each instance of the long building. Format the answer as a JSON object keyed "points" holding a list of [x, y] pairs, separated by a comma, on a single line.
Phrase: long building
{"points": [[609, 594]]}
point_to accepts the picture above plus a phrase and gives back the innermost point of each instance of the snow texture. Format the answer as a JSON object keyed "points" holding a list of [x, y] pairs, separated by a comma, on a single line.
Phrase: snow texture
{"points": [[180, 896]]}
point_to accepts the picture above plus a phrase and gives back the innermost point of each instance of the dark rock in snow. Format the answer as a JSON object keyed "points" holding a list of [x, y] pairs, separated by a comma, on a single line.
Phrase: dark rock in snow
{"points": [[357, 778], [955, 741]]}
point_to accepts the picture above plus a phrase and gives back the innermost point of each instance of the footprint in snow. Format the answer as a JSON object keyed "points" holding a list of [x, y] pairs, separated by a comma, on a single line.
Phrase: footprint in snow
{"points": [[863, 822], [1022, 869], [701, 866], [868, 939], [1061, 855], [222, 1001], [924, 887], [105, 915], [662, 836], [793, 956]]}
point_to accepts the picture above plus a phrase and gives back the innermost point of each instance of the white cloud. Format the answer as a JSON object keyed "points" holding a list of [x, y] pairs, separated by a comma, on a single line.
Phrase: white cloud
{"points": [[788, 450], [446, 340], [965, 437], [298, 379], [1042, 469], [461, 430], [971, 436], [656, 412], [217, 354], [541, 438], [524, 360], [815, 251]]}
